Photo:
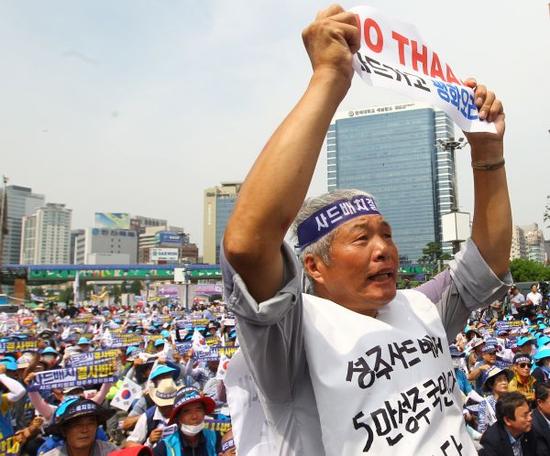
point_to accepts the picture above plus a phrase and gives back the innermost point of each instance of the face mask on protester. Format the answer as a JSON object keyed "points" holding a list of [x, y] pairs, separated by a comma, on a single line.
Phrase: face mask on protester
{"points": [[191, 429], [456, 362]]}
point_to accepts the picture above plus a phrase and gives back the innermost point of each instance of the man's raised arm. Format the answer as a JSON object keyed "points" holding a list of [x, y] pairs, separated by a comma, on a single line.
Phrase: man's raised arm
{"points": [[492, 225], [276, 186]]}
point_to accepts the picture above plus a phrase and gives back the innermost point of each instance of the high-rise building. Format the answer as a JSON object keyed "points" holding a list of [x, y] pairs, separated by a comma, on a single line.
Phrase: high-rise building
{"points": [[390, 152], [166, 244], [528, 243], [46, 235], [138, 223], [72, 250], [218, 205], [20, 201], [106, 246], [534, 238]]}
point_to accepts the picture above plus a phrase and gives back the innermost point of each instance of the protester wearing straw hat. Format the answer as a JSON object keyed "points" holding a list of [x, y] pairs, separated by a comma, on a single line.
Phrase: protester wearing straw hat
{"points": [[496, 383], [76, 421], [150, 424], [191, 438]]}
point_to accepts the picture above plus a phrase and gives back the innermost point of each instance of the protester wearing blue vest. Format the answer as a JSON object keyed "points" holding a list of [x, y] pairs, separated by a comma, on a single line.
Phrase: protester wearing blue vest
{"points": [[191, 438]]}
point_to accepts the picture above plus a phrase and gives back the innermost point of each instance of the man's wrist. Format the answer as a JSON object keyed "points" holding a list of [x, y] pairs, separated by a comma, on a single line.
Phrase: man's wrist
{"points": [[492, 151], [333, 79]]}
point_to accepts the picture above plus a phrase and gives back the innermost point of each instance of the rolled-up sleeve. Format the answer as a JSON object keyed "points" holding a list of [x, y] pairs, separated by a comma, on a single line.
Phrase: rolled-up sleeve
{"points": [[467, 285], [270, 332]]}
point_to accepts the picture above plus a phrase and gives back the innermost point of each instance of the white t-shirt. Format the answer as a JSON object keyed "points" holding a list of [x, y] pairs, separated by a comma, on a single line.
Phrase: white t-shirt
{"points": [[535, 298]]}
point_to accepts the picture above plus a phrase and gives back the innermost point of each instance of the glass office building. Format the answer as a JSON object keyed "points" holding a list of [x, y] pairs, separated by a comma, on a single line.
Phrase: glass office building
{"points": [[218, 205], [390, 152]]}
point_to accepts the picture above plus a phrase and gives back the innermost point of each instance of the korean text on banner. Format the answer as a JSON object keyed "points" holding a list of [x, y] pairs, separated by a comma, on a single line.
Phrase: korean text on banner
{"points": [[75, 376], [394, 56], [91, 358], [9, 447]]}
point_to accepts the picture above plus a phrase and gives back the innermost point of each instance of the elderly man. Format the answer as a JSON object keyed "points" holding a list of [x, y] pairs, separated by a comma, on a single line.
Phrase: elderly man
{"points": [[353, 366]]}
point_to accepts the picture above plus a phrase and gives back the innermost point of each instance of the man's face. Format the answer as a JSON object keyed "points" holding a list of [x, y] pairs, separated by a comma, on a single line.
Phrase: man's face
{"points": [[522, 420], [363, 266], [490, 358], [84, 348], [534, 288], [166, 410], [191, 414], [80, 432], [523, 369]]}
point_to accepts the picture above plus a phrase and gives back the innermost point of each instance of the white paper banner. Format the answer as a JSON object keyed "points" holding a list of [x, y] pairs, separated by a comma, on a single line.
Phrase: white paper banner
{"points": [[394, 56]]}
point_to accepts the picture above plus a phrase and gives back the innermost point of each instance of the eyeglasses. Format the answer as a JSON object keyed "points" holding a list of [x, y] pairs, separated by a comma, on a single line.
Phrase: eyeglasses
{"points": [[524, 365]]}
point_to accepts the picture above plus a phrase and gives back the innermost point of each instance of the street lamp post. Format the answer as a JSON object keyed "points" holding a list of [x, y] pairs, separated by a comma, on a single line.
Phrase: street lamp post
{"points": [[451, 144], [2, 216]]}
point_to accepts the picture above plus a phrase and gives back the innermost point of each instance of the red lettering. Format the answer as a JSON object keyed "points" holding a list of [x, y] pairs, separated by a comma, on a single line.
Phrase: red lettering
{"points": [[421, 57], [401, 42], [368, 25], [436, 71], [450, 75]]}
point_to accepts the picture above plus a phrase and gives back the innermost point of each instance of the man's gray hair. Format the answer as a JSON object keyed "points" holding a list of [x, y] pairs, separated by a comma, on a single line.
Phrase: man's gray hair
{"points": [[321, 247]]}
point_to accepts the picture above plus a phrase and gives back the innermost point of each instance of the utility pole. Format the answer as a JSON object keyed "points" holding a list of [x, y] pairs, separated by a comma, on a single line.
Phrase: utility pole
{"points": [[451, 145], [3, 209]]}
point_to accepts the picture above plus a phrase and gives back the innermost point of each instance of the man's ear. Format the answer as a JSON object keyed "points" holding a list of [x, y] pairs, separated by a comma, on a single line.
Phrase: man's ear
{"points": [[507, 421], [314, 267]]}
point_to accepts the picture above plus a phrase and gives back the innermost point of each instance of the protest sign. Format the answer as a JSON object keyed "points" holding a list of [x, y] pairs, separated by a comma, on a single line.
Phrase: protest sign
{"points": [[217, 425], [19, 345], [394, 56], [9, 447], [75, 376], [184, 347], [215, 353], [124, 340], [169, 430], [512, 325], [95, 357]]}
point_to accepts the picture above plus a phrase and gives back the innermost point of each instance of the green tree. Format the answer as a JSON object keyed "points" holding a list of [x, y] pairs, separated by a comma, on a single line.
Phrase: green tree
{"points": [[528, 271], [432, 254], [136, 287], [38, 291], [117, 292], [66, 295]]}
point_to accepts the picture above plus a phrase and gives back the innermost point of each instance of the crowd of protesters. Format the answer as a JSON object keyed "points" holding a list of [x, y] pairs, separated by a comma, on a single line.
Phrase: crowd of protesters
{"points": [[172, 360], [153, 380], [94, 379]]}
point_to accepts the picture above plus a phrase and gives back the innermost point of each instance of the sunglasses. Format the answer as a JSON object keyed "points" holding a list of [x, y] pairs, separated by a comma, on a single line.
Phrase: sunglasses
{"points": [[524, 365]]}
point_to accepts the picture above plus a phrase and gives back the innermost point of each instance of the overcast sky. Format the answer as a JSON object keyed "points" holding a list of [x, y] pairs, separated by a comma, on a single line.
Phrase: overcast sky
{"points": [[137, 106]]}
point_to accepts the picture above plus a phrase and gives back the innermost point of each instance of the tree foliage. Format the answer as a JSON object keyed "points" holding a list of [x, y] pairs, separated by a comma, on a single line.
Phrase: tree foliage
{"points": [[528, 271], [136, 287], [432, 254], [66, 295]]}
